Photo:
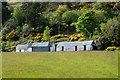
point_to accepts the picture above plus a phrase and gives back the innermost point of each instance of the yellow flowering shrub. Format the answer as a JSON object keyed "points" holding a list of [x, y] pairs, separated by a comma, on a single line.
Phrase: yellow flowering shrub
{"points": [[76, 37], [51, 29], [3, 37], [112, 48], [43, 39], [38, 37], [58, 36], [13, 47], [11, 35], [31, 36]]}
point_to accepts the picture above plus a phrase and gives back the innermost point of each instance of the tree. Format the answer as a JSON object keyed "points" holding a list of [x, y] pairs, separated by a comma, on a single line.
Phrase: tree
{"points": [[102, 6], [46, 34], [17, 15], [69, 17], [17, 30], [111, 30], [5, 12], [32, 12], [8, 26], [26, 30], [57, 15], [86, 23]]}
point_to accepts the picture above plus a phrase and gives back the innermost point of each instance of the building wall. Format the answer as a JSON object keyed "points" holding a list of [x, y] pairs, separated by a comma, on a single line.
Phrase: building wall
{"points": [[22, 50], [72, 48], [80, 48], [52, 48], [17, 50], [29, 50]]}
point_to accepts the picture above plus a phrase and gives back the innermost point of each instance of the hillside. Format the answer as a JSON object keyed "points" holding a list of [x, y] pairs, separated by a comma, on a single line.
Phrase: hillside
{"points": [[28, 22]]}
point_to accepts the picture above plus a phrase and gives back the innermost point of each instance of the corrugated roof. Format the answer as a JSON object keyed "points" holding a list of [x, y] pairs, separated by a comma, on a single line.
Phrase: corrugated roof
{"points": [[77, 43], [23, 46], [42, 44]]}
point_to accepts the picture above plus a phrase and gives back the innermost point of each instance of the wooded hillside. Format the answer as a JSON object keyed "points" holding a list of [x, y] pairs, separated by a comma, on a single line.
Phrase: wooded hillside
{"points": [[28, 22]]}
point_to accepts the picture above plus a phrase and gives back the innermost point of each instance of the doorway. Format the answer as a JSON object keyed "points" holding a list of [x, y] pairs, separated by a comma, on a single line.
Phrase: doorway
{"points": [[62, 48], [75, 48], [84, 47]]}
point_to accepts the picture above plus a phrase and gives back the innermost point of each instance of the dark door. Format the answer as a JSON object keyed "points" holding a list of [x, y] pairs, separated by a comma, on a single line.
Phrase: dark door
{"points": [[84, 47], [62, 48], [75, 48], [49, 48]]}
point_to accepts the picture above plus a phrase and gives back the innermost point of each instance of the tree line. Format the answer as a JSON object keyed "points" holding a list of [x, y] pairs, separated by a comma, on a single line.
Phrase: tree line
{"points": [[96, 20]]}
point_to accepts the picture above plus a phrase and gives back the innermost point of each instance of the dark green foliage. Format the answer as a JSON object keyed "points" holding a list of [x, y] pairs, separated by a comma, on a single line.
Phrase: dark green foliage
{"points": [[3, 46], [32, 12], [69, 17], [26, 30], [17, 30], [9, 25], [111, 30], [5, 12], [86, 23], [18, 16], [103, 6]]}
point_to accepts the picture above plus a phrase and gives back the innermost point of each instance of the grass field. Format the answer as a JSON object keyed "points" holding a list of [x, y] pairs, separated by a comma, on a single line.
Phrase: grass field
{"points": [[83, 64]]}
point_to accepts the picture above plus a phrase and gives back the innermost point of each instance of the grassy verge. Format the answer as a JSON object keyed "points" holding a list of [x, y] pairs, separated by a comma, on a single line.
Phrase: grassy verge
{"points": [[83, 64]]}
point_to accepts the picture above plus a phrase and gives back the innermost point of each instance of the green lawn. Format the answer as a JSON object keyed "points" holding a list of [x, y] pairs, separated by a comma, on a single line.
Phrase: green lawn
{"points": [[83, 64]]}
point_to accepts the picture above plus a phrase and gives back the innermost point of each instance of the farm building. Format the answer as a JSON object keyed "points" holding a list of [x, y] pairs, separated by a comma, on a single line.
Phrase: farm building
{"points": [[24, 48], [36, 47], [76, 46], [43, 46]]}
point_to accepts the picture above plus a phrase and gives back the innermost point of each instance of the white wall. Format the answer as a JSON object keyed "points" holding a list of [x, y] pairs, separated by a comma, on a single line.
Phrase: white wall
{"points": [[52, 48], [80, 48], [17, 50], [22, 50], [29, 50], [72, 48]]}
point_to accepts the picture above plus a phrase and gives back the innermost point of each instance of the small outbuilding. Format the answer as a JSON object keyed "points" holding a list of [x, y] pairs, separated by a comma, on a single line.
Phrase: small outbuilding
{"points": [[24, 48], [43, 46], [76, 46], [36, 47]]}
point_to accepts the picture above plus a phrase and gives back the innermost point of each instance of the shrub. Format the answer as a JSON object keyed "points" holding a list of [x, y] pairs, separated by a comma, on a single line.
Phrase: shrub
{"points": [[76, 37], [111, 48], [58, 36], [13, 47]]}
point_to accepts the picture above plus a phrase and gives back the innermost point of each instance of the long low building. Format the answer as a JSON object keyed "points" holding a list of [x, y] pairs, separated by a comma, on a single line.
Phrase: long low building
{"points": [[36, 47], [62, 46], [76, 46]]}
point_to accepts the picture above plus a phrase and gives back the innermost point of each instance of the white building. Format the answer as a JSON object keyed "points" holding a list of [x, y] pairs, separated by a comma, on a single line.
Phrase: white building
{"points": [[36, 47], [24, 48], [76, 46]]}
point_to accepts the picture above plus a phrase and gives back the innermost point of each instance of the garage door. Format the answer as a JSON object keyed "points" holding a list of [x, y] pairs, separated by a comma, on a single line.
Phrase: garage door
{"points": [[40, 49]]}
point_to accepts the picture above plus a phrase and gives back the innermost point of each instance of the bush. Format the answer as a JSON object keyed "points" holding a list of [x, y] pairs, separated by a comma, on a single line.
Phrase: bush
{"points": [[62, 39], [111, 48], [58, 36], [76, 37]]}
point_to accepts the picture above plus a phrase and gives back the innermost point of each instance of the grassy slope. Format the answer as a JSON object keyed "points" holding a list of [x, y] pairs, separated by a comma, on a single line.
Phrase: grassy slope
{"points": [[91, 64]]}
